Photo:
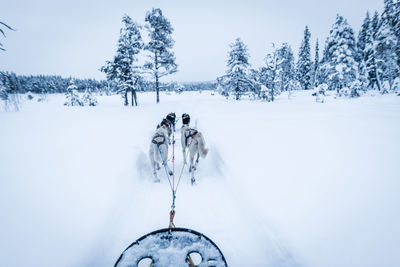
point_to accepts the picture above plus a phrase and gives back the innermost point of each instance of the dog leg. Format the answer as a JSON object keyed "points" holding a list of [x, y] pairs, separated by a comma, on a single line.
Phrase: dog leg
{"points": [[184, 156], [192, 180], [156, 179], [153, 164]]}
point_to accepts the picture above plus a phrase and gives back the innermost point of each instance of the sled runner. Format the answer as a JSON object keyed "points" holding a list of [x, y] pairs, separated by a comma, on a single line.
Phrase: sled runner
{"points": [[173, 247]]}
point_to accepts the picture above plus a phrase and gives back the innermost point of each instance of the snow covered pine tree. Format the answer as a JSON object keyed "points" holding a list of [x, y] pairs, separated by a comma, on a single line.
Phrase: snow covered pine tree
{"points": [[236, 80], [88, 98], [304, 64], [124, 69], [72, 97], [339, 61], [162, 59]]}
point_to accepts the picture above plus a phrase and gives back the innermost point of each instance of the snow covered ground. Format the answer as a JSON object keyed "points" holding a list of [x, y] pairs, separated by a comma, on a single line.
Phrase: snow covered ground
{"points": [[289, 183]]}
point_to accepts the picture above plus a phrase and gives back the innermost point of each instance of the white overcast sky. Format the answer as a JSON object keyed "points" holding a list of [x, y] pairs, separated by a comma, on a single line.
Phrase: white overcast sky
{"points": [[76, 37]]}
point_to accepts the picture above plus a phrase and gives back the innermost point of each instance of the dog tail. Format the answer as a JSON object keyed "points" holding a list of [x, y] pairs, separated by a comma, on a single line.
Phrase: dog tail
{"points": [[202, 146]]}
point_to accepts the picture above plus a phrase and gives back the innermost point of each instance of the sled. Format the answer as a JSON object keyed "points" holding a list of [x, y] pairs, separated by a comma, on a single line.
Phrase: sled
{"points": [[172, 247]]}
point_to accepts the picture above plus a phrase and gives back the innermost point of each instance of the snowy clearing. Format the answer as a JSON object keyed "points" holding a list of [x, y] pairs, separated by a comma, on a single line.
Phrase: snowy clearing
{"points": [[289, 183]]}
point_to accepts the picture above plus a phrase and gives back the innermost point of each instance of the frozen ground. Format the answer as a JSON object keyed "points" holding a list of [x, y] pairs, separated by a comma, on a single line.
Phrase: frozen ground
{"points": [[289, 183]]}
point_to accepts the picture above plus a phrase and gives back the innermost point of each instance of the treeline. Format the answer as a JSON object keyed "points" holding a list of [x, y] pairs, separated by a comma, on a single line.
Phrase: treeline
{"points": [[49, 84], [350, 64], [46, 84]]}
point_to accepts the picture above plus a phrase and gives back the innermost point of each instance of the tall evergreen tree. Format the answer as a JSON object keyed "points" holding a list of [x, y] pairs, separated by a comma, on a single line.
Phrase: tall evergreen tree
{"points": [[162, 59], [364, 43], [304, 64], [339, 55], [270, 73], [396, 29], [371, 55], [285, 68], [386, 45], [124, 68], [316, 65], [237, 78]]}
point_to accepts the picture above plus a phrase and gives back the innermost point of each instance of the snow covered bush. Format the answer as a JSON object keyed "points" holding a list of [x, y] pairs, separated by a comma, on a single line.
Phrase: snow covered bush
{"points": [[320, 93], [177, 87], [356, 88], [72, 97], [88, 99]]}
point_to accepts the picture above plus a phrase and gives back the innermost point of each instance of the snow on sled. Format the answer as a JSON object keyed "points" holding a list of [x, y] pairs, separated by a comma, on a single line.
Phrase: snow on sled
{"points": [[172, 247]]}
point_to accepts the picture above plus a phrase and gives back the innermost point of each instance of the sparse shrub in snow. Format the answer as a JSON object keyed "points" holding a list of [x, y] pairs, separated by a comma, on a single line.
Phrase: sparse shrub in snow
{"points": [[72, 97], [88, 99], [177, 87], [41, 98], [320, 93], [29, 95]]}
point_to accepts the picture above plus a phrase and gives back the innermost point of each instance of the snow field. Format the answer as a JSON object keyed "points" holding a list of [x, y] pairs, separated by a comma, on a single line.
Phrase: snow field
{"points": [[289, 183]]}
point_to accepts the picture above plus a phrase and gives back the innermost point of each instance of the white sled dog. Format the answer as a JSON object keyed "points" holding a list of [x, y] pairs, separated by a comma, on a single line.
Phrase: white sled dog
{"points": [[159, 149], [192, 140]]}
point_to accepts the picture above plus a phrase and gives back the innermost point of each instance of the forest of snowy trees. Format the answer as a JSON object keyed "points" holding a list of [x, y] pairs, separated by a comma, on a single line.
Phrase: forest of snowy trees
{"points": [[350, 64]]}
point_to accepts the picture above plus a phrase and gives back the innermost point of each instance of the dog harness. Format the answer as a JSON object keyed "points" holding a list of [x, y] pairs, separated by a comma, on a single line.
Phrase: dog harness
{"points": [[191, 134], [158, 139]]}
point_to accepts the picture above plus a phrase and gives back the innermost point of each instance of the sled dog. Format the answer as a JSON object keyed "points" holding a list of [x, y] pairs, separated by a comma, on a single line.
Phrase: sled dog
{"points": [[192, 143], [159, 150]]}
